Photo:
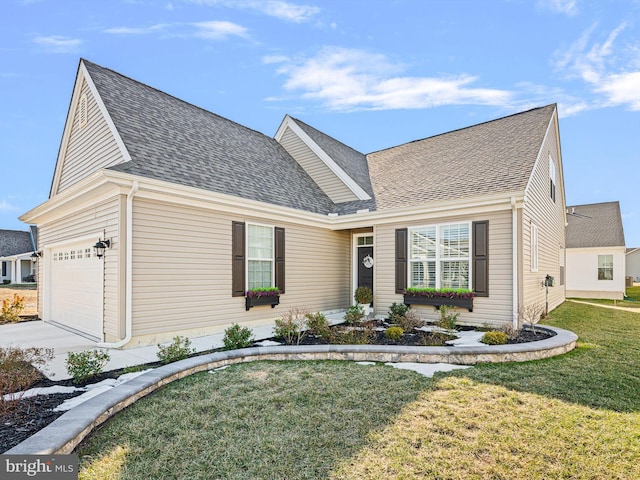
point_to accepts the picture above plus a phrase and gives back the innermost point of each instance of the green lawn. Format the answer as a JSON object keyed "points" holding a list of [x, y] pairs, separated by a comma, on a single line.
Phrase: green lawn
{"points": [[632, 299], [576, 416]]}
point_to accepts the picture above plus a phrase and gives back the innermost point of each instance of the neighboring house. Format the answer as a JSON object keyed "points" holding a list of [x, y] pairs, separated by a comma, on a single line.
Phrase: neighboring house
{"points": [[198, 209], [632, 263], [16, 250], [595, 251]]}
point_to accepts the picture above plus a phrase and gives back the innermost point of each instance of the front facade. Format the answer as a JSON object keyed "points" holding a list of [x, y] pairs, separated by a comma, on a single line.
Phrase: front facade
{"points": [[595, 251], [197, 210], [17, 263]]}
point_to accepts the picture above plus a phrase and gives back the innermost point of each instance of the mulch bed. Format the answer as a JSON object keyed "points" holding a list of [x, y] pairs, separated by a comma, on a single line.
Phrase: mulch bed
{"points": [[30, 415]]}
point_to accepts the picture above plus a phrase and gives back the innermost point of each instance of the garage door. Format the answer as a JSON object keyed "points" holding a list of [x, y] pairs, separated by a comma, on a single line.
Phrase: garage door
{"points": [[76, 288]]}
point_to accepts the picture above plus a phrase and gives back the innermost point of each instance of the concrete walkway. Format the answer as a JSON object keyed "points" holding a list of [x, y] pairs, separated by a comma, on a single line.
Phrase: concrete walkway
{"points": [[41, 334], [612, 307]]}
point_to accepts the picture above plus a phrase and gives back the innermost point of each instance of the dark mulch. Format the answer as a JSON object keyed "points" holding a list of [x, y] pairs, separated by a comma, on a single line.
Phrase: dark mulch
{"points": [[32, 414]]}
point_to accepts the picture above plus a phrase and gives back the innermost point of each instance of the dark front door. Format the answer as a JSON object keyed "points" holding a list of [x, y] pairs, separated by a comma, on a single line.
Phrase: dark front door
{"points": [[365, 267]]}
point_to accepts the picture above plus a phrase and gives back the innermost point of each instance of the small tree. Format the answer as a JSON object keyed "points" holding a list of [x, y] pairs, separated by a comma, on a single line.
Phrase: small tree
{"points": [[291, 326], [531, 314]]}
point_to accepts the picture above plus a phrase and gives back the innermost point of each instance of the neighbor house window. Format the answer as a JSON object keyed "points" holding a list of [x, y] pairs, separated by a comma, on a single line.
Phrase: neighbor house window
{"points": [[552, 178], [605, 267], [259, 256], [440, 256], [534, 247]]}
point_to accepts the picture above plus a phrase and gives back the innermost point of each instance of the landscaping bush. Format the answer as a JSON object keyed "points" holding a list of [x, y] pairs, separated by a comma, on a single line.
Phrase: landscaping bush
{"points": [[291, 326], [317, 324], [237, 337], [353, 335], [409, 321], [86, 364], [363, 295], [11, 309], [354, 314], [494, 337], [18, 371], [394, 333], [178, 349], [448, 317], [397, 310]]}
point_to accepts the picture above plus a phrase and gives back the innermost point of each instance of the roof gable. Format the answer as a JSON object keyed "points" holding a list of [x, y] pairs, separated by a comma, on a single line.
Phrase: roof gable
{"points": [[594, 225], [172, 140], [490, 158]]}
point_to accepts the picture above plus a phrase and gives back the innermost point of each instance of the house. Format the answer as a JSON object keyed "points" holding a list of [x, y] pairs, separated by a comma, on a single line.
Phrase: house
{"points": [[632, 263], [162, 215], [595, 251], [16, 255]]}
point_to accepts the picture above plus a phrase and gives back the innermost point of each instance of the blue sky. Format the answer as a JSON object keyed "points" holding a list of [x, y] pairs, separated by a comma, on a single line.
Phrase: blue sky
{"points": [[373, 74]]}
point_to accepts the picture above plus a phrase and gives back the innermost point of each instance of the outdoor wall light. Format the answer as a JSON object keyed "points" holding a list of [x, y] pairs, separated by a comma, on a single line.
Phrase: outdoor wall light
{"points": [[35, 256], [101, 246]]}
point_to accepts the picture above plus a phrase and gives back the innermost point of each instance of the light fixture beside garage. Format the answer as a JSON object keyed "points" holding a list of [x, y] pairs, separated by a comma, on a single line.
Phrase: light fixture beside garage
{"points": [[101, 246], [35, 256]]}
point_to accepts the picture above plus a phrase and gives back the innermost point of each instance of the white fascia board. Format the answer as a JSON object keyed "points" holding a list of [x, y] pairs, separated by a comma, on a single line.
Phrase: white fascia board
{"points": [[289, 122], [83, 74], [539, 157]]}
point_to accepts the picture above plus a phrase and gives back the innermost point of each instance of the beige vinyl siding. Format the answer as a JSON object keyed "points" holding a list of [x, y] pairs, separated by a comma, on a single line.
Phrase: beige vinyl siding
{"points": [[103, 222], [328, 181], [495, 309], [89, 148], [540, 209], [182, 271]]}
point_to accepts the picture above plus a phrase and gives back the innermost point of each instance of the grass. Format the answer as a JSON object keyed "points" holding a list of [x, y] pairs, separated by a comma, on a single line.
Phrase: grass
{"points": [[632, 299], [574, 416], [19, 286]]}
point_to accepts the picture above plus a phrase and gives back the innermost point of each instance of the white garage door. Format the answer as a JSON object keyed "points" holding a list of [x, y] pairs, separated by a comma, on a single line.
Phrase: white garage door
{"points": [[76, 288]]}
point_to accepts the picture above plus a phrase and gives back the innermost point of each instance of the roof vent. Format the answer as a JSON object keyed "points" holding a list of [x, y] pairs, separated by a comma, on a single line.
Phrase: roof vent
{"points": [[83, 111]]}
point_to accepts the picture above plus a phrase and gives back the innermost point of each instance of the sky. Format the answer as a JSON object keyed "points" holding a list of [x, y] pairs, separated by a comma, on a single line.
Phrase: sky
{"points": [[371, 73]]}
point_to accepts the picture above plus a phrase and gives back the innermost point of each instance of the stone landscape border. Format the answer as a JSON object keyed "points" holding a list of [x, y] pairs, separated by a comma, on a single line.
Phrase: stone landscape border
{"points": [[67, 431]]}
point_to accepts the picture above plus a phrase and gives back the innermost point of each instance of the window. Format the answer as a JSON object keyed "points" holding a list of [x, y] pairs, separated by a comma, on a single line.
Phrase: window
{"points": [[440, 256], [4, 269], [259, 256], [552, 178], [365, 241], [534, 247], [605, 267]]}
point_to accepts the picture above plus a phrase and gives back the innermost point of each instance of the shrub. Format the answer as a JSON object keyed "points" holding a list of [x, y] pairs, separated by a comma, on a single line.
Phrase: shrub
{"points": [[353, 335], [363, 295], [11, 309], [448, 317], [6, 281], [409, 321], [494, 337], [397, 310], [354, 314], [178, 349], [290, 327], [237, 337], [394, 333], [18, 371], [317, 324], [86, 364]]}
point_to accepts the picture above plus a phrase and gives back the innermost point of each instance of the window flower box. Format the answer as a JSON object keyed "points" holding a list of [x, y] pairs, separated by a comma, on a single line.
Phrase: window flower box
{"points": [[262, 296], [437, 298]]}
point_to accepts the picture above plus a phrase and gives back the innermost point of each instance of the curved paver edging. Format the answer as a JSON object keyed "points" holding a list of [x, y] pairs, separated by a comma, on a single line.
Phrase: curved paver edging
{"points": [[68, 430]]}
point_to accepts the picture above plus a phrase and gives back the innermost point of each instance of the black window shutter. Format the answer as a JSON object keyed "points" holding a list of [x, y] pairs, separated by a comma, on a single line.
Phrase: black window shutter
{"points": [[237, 266], [480, 257], [4, 269], [279, 260], [402, 246]]}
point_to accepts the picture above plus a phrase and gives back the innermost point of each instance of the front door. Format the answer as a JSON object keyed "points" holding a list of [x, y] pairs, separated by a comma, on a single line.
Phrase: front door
{"points": [[365, 262]]}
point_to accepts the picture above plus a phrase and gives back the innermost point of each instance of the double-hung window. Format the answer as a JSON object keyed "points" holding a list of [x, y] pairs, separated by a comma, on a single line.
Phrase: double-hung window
{"points": [[605, 267], [440, 256], [552, 179], [260, 253]]}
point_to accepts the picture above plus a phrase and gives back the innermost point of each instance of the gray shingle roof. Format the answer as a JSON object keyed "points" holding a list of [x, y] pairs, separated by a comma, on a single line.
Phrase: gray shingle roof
{"points": [[595, 225], [492, 157], [351, 161], [169, 139], [15, 242]]}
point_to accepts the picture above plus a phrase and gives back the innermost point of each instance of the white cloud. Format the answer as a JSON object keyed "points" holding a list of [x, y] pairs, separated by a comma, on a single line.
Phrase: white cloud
{"points": [[290, 12], [58, 43], [349, 79], [622, 89], [7, 207], [568, 7], [270, 59], [136, 30], [219, 30]]}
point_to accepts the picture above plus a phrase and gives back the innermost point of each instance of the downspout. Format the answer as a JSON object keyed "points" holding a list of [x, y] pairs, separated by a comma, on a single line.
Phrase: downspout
{"points": [[128, 273], [514, 255]]}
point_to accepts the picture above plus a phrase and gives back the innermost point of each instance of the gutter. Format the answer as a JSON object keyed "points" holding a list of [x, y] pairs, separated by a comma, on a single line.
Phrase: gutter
{"points": [[128, 274]]}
